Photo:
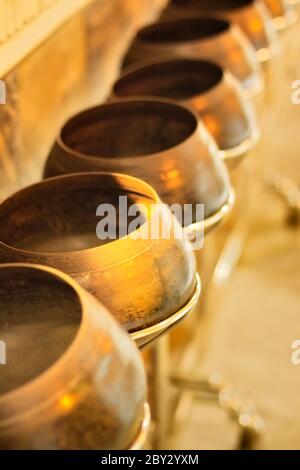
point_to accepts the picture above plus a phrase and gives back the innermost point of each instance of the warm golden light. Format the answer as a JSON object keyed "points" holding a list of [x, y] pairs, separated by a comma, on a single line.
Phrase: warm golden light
{"points": [[255, 25], [67, 402]]}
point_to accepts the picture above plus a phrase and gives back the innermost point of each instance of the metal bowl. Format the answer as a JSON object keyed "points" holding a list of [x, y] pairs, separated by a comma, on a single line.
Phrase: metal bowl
{"points": [[282, 12], [212, 39], [142, 281], [73, 378], [252, 16], [158, 141], [216, 97]]}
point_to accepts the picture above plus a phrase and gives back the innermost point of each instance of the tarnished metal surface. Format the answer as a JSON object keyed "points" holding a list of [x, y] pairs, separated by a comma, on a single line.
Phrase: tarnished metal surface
{"points": [[73, 378]]}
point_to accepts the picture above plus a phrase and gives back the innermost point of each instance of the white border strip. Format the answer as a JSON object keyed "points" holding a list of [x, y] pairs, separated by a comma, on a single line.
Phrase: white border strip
{"points": [[22, 41]]}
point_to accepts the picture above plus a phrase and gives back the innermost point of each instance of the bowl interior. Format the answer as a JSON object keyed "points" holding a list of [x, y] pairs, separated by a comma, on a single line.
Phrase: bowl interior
{"points": [[128, 129], [60, 214], [180, 79], [183, 30], [36, 326]]}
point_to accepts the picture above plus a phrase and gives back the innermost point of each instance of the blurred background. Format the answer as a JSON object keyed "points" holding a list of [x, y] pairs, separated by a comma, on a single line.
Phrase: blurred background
{"points": [[58, 57]]}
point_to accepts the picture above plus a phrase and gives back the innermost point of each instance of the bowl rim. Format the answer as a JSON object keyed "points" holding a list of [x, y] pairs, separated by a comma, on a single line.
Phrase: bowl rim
{"points": [[59, 255], [126, 101], [143, 67]]}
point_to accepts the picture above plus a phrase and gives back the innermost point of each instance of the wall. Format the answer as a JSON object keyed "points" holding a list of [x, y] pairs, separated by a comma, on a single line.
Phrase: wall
{"points": [[71, 70]]}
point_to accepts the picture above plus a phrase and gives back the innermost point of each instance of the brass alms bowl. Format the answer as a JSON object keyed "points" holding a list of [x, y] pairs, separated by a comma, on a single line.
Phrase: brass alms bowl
{"points": [[161, 142], [215, 95], [212, 39], [73, 379], [252, 16], [142, 281]]}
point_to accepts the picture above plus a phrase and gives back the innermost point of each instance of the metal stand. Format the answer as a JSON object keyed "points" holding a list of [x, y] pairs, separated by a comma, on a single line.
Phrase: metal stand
{"points": [[243, 412], [164, 380]]}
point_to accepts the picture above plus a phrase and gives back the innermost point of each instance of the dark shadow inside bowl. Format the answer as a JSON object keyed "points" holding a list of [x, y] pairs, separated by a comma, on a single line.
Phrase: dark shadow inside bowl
{"points": [[178, 79], [60, 215], [128, 129], [40, 316], [184, 30], [212, 4]]}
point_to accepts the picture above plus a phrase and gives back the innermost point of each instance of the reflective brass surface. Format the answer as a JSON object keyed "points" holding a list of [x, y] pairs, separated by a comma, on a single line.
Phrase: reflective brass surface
{"points": [[73, 378], [252, 16], [142, 281], [140, 443], [161, 142], [216, 97], [213, 39]]}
